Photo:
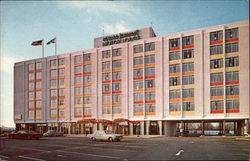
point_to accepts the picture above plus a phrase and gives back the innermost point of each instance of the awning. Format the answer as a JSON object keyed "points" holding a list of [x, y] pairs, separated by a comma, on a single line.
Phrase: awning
{"points": [[120, 120], [104, 121], [134, 122], [87, 121]]}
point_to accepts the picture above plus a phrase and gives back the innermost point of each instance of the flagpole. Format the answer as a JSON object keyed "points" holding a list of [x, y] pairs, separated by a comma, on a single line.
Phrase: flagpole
{"points": [[43, 49]]}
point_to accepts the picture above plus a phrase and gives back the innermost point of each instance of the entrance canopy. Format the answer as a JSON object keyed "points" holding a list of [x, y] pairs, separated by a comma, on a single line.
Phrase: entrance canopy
{"points": [[104, 121], [87, 121]]}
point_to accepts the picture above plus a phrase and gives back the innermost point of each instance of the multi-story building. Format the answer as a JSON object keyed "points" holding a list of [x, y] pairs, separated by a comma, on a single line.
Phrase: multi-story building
{"points": [[139, 83]]}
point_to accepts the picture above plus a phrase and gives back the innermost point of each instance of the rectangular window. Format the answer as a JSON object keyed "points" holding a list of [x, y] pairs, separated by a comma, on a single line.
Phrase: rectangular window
{"points": [[116, 63], [232, 61], [174, 43], [188, 79], [232, 90], [78, 111], [31, 114], [149, 107], [232, 47], [31, 85], [216, 77], [231, 33], [149, 46], [105, 76], [217, 105], [188, 106], [150, 83], [106, 54], [216, 63], [117, 109], [232, 104], [232, 76], [53, 92], [86, 78], [78, 80], [138, 97], [138, 84], [31, 76], [116, 98], [38, 94], [188, 40], [149, 59], [174, 94], [87, 111], [116, 75], [138, 108], [174, 81], [149, 96], [150, 71], [116, 52], [106, 87], [138, 48], [38, 84], [187, 67], [61, 72], [215, 36], [87, 68], [61, 61], [106, 99], [78, 69], [87, 100], [217, 49], [116, 87], [61, 112], [53, 63], [53, 102], [106, 110], [61, 82], [138, 60], [106, 65], [174, 55], [186, 54], [174, 106], [78, 101], [138, 73], [61, 101], [188, 93], [31, 66], [87, 57], [61, 92], [53, 73], [174, 68], [216, 91], [78, 59], [31, 104], [78, 90], [38, 114], [39, 65]]}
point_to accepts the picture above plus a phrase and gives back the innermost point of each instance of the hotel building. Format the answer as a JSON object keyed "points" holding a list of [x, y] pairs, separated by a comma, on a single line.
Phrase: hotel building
{"points": [[191, 82]]}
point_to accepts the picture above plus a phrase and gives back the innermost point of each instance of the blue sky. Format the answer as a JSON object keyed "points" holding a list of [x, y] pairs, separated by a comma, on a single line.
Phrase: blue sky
{"points": [[77, 23]]}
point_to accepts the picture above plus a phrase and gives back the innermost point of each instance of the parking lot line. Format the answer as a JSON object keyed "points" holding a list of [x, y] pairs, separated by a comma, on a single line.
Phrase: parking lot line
{"points": [[30, 158], [95, 147], [4, 156], [103, 156]]}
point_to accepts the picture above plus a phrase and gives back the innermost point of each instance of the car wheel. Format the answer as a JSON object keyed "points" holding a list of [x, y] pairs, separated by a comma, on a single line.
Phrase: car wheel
{"points": [[110, 139]]}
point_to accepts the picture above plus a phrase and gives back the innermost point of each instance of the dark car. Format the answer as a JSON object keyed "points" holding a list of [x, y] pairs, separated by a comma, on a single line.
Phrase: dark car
{"points": [[53, 133], [24, 134]]}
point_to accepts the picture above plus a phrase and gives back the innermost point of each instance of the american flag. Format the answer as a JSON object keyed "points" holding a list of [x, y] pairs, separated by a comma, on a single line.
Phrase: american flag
{"points": [[36, 43], [51, 41]]}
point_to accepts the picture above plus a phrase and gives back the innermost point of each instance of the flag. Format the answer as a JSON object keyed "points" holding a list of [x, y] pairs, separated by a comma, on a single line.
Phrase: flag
{"points": [[36, 43], [51, 41]]}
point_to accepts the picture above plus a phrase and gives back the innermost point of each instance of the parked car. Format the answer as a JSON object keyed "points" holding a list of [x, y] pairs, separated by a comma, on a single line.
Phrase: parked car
{"points": [[53, 133], [105, 135], [24, 134]]}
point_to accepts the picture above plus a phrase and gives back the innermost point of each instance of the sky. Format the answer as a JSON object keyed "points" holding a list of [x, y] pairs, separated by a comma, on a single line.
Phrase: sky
{"points": [[76, 23]]}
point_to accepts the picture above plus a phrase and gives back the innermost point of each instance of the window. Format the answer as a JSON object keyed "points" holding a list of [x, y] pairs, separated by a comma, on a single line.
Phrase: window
{"points": [[31, 85], [186, 41], [87, 68], [78, 69], [150, 83], [61, 72], [187, 67], [150, 71], [87, 99], [138, 97], [174, 81], [216, 91], [31, 114], [31, 76], [87, 57], [116, 52], [138, 84], [38, 114], [232, 90], [188, 79], [217, 105], [149, 108], [188, 93], [188, 106], [86, 78], [87, 111], [217, 49], [78, 90], [31, 95], [116, 98], [53, 73], [53, 92], [138, 73], [138, 60], [174, 106], [61, 112], [39, 65], [106, 110], [61, 101], [53, 63], [38, 84], [216, 63], [78, 59], [174, 68], [61, 82], [215, 36], [138, 48], [116, 87], [105, 65], [38, 94], [149, 59], [232, 76], [31, 104], [149, 96], [106, 99], [138, 108], [53, 102], [232, 47], [78, 100], [186, 54], [31, 66], [174, 43], [232, 61], [78, 111], [61, 61], [105, 76], [106, 87], [61, 92], [53, 83], [174, 94], [216, 77], [106, 54], [78, 80], [231, 33], [116, 75], [87, 89], [174, 55], [149, 46], [117, 109], [116, 63], [232, 104]]}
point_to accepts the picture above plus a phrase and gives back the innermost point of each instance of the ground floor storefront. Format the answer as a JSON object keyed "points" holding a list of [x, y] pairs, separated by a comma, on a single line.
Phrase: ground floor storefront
{"points": [[158, 127]]}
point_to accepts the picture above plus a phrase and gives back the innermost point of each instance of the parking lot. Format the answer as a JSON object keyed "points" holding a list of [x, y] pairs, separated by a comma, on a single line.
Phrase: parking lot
{"points": [[163, 148]]}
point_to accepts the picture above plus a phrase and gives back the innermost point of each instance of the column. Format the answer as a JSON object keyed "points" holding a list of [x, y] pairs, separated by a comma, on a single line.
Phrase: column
{"points": [[142, 127], [224, 127], [160, 127], [202, 126], [69, 128], [100, 126], [82, 128], [147, 127], [130, 129], [94, 128]]}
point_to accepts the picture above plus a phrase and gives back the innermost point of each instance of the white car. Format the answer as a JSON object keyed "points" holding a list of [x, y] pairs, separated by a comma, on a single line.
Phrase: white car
{"points": [[105, 135]]}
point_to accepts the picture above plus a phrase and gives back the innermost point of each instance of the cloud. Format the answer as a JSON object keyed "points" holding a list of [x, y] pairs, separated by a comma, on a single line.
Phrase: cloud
{"points": [[114, 28]]}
